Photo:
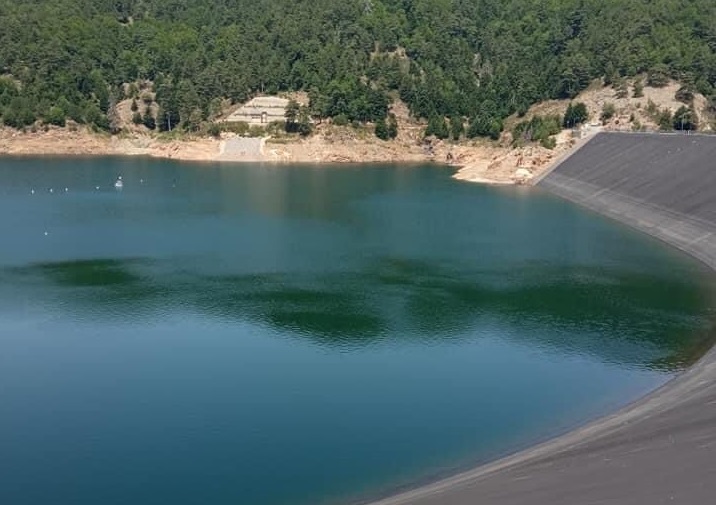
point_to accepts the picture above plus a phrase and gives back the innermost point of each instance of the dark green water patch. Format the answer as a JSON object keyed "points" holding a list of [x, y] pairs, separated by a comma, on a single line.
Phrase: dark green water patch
{"points": [[106, 273], [302, 335], [589, 310]]}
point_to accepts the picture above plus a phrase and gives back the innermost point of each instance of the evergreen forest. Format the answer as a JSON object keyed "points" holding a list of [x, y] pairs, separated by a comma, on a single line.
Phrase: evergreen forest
{"points": [[471, 61]]}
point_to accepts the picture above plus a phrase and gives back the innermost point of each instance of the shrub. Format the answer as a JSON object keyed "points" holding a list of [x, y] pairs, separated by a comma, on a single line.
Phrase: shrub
{"points": [[55, 116], [256, 131], [392, 124], [548, 143], [291, 113], [381, 129], [276, 128], [238, 127], [456, 127], [537, 129], [149, 121], [132, 90], [298, 119], [95, 118], [214, 130], [386, 130], [19, 113], [621, 89], [664, 120], [684, 119], [305, 128], [711, 104], [608, 111], [638, 89], [485, 126], [193, 122], [658, 76], [340, 120], [685, 94], [575, 114], [437, 127]]}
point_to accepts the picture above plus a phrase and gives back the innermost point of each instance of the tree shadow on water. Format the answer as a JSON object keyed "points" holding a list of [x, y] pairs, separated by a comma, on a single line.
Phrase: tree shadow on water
{"points": [[619, 316]]}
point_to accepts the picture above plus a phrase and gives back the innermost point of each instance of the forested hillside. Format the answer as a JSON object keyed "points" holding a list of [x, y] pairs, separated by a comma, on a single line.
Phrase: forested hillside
{"points": [[475, 60]]}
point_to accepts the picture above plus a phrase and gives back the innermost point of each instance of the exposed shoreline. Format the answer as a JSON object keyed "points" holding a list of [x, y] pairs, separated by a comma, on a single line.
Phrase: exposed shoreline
{"points": [[483, 163], [479, 161]]}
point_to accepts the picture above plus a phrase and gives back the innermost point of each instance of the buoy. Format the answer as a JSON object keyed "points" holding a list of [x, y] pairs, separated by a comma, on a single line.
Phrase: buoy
{"points": [[46, 234], [32, 191], [51, 190]]}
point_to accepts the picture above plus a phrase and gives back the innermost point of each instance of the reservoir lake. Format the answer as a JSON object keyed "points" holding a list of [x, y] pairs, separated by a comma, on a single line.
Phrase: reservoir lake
{"points": [[310, 335]]}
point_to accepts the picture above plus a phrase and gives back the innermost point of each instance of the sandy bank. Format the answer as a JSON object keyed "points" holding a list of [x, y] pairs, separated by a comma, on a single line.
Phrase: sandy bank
{"points": [[315, 149], [484, 163], [477, 161]]}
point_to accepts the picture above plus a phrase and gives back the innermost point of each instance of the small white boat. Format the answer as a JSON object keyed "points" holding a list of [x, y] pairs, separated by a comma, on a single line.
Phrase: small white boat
{"points": [[118, 183]]}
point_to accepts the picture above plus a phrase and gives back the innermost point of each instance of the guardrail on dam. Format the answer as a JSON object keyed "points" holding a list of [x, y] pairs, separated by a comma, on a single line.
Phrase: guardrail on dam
{"points": [[661, 449]]}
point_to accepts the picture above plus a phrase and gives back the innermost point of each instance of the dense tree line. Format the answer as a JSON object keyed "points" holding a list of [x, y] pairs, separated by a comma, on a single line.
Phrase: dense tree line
{"points": [[454, 62]]}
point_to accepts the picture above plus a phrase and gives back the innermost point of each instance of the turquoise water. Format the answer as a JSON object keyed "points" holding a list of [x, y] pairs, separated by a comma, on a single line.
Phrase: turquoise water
{"points": [[304, 335]]}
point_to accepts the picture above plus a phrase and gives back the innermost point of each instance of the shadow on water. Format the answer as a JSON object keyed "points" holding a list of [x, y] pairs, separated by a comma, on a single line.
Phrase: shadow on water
{"points": [[315, 310], [621, 317], [106, 288], [103, 272]]}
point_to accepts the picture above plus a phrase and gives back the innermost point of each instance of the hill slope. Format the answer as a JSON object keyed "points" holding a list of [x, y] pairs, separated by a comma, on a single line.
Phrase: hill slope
{"points": [[480, 61]]}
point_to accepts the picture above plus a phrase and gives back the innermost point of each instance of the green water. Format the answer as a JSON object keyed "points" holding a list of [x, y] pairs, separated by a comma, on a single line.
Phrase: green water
{"points": [[302, 335]]}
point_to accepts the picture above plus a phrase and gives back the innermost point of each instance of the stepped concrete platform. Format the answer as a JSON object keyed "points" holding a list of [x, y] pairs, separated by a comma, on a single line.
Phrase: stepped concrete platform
{"points": [[661, 449]]}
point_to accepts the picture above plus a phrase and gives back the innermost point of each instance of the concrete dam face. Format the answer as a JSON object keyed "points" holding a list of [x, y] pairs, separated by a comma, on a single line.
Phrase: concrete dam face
{"points": [[663, 184], [661, 449]]}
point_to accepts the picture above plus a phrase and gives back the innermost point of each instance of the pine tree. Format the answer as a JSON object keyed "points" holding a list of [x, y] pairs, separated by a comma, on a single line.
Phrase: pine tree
{"points": [[456, 127], [437, 127], [149, 121], [575, 114], [381, 129], [392, 125], [684, 119]]}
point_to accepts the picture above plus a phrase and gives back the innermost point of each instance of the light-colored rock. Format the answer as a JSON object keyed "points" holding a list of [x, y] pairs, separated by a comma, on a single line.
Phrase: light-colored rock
{"points": [[521, 176]]}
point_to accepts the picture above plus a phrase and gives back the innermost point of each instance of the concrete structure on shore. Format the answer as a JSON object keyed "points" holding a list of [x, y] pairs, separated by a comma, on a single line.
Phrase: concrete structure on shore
{"points": [[661, 449], [260, 110], [242, 149]]}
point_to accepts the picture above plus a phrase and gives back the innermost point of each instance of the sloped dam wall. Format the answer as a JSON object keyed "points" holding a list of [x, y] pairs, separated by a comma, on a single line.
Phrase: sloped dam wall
{"points": [[662, 184], [661, 449]]}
